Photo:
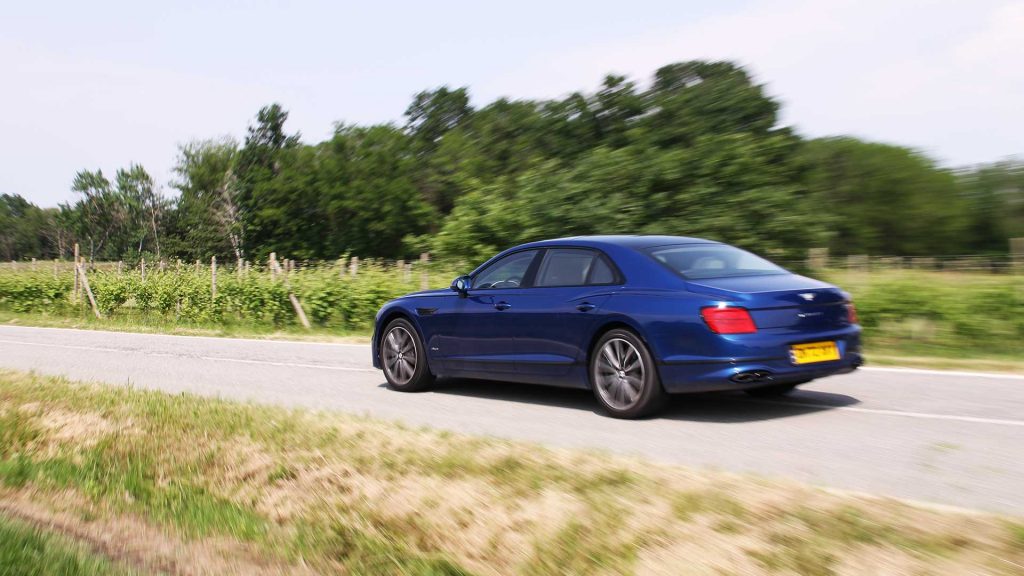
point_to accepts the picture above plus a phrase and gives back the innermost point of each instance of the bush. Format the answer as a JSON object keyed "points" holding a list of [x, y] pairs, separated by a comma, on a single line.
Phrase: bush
{"points": [[331, 297]]}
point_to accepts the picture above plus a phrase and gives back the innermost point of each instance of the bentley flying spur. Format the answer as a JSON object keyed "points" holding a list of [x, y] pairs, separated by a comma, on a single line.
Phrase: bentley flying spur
{"points": [[632, 318]]}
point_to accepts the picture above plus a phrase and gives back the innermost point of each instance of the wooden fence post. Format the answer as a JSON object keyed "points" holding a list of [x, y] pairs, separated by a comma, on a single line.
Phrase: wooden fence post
{"points": [[120, 264], [353, 267], [1017, 254], [341, 267], [76, 273], [424, 273], [33, 264], [88, 292], [817, 258], [296, 304], [272, 264], [213, 277]]}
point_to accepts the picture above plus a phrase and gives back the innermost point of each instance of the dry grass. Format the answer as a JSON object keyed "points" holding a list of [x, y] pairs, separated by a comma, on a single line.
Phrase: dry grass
{"points": [[188, 485]]}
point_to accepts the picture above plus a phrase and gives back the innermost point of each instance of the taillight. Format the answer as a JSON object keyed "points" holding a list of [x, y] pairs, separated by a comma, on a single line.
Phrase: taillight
{"points": [[851, 313], [730, 320]]}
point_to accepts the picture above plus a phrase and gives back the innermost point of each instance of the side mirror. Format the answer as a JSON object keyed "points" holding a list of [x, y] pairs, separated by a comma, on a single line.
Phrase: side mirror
{"points": [[461, 285]]}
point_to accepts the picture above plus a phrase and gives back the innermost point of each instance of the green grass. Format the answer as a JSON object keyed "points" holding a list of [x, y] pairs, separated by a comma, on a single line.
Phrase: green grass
{"points": [[25, 550], [330, 492], [948, 315]]}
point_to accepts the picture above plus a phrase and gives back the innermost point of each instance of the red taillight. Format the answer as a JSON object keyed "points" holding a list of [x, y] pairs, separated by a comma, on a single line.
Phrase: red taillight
{"points": [[728, 320], [851, 313]]}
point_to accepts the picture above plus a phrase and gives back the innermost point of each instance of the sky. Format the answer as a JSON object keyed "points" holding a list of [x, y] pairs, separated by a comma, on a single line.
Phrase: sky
{"points": [[101, 85]]}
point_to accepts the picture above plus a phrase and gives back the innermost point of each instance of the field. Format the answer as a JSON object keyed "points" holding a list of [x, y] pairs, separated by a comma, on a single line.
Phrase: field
{"points": [[909, 316], [148, 482]]}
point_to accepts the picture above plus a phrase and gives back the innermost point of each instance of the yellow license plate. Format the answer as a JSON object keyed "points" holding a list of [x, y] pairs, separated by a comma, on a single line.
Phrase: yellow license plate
{"points": [[813, 352]]}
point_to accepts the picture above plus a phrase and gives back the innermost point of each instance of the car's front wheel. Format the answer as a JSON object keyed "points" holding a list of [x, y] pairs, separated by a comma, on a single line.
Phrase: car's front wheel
{"points": [[623, 377], [403, 358]]}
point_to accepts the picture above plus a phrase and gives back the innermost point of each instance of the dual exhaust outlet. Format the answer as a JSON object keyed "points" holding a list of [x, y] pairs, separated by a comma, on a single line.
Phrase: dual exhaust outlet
{"points": [[752, 377]]}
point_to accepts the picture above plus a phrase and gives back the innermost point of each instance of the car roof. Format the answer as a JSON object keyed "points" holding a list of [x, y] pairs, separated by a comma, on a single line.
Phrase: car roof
{"points": [[624, 240]]}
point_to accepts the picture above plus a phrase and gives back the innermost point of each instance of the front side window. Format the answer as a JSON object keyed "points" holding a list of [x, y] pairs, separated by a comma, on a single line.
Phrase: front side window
{"points": [[573, 267], [699, 261], [508, 272]]}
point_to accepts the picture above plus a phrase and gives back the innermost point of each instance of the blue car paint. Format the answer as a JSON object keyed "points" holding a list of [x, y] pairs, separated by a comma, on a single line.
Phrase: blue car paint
{"points": [[543, 338]]}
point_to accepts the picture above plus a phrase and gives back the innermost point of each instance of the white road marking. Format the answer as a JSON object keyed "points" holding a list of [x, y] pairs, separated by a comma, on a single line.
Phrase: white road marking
{"points": [[905, 414], [208, 358], [289, 364], [944, 372], [219, 338]]}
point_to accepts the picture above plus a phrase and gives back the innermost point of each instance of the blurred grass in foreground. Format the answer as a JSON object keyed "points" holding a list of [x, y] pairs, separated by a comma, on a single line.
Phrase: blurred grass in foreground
{"points": [[185, 483], [26, 550]]}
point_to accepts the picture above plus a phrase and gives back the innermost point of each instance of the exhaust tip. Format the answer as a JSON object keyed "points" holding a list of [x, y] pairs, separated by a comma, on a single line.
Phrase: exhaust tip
{"points": [[751, 377]]}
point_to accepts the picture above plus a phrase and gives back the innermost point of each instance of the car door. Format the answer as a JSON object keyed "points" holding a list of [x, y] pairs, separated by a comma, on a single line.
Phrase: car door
{"points": [[483, 330], [555, 318]]}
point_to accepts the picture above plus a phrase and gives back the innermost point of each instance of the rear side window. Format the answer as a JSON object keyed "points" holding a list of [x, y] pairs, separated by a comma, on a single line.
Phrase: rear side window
{"points": [[574, 267]]}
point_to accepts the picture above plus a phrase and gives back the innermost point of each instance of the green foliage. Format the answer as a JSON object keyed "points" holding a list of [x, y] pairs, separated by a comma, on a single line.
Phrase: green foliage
{"points": [[34, 292], [330, 296], [947, 313], [882, 199]]}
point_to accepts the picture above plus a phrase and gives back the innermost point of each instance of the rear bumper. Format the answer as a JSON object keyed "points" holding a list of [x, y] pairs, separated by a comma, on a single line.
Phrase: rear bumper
{"points": [[774, 366]]}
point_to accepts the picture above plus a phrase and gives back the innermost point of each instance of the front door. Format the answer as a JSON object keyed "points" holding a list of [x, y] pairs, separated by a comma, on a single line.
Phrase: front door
{"points": [[483, 337]]}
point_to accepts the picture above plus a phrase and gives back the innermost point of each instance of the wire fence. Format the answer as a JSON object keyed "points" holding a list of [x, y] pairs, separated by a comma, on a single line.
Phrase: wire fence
{"points": [[816, 259]]}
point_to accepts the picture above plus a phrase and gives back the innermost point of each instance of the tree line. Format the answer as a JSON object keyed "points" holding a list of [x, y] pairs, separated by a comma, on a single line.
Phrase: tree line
{"points": [[699, 151]]}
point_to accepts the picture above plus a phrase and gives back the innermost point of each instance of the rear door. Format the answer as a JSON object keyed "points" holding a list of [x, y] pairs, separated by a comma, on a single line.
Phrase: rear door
{"points": [[555, 317]]}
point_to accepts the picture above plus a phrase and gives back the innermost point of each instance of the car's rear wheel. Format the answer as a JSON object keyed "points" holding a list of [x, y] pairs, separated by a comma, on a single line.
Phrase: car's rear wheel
{"points": [[403, 359], [623, 376]]}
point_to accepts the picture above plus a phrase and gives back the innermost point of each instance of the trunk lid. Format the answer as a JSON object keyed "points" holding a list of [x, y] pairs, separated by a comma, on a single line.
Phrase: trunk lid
{"points": [[781, 300]]}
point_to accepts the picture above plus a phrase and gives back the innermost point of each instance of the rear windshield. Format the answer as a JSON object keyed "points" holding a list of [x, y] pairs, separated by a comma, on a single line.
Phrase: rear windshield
{"points": [[697, 261]]}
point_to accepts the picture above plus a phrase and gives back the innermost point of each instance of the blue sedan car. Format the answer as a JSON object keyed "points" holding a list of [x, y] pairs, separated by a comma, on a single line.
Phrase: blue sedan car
{"points": [[632, 318]]}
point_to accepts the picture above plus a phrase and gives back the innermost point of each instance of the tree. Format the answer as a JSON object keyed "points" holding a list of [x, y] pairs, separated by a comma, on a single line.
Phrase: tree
{"points": [[369, 196], [257, 165], [434, 113], [208, 210], [994, 195], [883, 199]]}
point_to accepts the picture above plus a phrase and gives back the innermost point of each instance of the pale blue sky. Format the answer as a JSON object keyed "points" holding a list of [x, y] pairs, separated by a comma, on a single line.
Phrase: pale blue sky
{"points": [[102, 84]]}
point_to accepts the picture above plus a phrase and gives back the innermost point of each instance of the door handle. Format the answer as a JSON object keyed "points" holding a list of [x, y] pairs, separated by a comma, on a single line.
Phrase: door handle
{"points": [[586, 307], [502, 305]]}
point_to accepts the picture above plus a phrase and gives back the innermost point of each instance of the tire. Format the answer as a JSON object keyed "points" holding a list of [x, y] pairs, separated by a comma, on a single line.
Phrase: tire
{"points": [[774, 390], [403, 358], [619, 364]]}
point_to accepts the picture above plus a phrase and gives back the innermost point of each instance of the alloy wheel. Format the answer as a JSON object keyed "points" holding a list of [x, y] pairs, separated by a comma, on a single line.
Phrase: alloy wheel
{"points": [[619, 374], [400, 355]]}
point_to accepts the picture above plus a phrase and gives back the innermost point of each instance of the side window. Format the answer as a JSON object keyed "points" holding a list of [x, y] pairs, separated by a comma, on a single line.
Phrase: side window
{"points": [[601, 272], [505, 273], [573, 267]]}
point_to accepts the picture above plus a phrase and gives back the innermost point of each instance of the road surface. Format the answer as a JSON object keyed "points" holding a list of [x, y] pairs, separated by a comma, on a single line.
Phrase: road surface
{"points": [[948, 438]]}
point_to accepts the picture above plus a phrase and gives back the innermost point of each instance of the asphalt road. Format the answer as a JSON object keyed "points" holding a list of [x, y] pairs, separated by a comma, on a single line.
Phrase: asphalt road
{"points": [[949, 438]]}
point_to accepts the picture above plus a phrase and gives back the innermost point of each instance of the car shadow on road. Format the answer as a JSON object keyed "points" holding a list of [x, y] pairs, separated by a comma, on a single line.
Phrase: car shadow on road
{"points": [[721, 407]]}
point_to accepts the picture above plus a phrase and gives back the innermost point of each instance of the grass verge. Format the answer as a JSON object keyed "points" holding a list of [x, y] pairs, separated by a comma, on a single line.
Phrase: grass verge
{"points": [[26, 550], [184, 484]]}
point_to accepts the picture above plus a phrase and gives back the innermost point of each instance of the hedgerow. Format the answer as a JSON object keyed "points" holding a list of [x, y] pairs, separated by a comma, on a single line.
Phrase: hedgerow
{"points": [[330, 297]]}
